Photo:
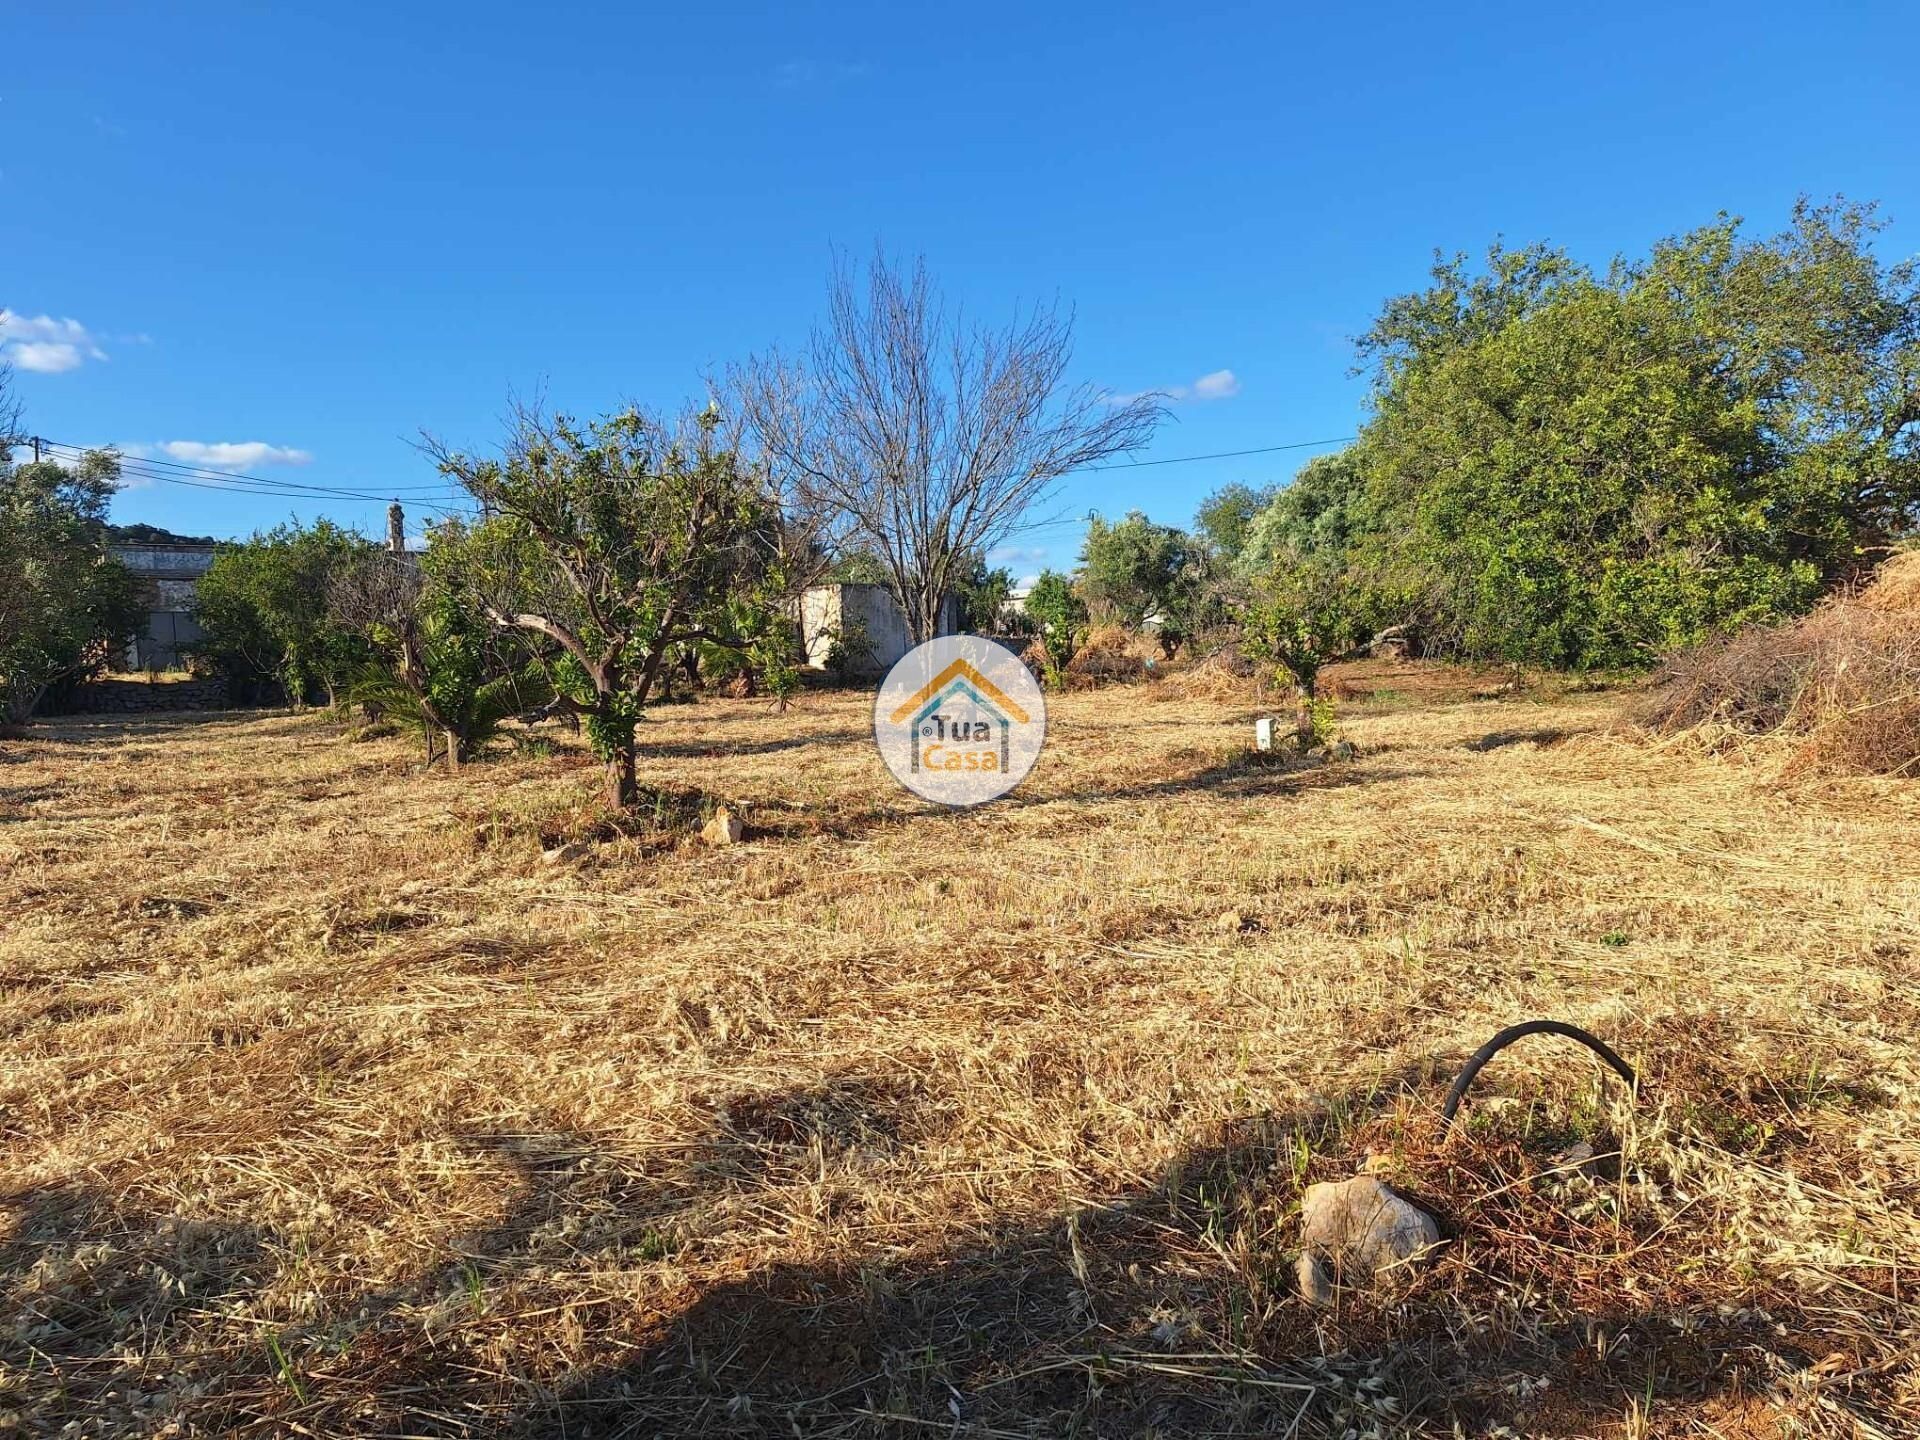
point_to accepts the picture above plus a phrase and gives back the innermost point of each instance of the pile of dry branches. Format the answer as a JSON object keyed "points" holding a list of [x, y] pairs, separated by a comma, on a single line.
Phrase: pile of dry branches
{"points": [[1842, 685]]}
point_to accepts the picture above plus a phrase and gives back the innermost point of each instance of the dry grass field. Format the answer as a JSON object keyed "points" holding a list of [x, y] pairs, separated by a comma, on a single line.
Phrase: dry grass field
{"points": [[330, 1109]]}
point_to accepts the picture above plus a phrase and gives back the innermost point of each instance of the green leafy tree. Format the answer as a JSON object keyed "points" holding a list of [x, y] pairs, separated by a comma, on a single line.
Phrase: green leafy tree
{"points": [[1133, 569], [1225, 518], [982, 591], [857, 567], [1299, 615], [66, 607], [1059, 619], [1586, 470], [264, 609], [620, 543], [1325, 510]]}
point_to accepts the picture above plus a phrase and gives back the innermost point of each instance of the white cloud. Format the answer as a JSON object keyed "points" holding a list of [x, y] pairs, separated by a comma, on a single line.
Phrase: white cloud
{"points": [[1019, 555], [44, 345], [44, 357], [228, 454], [1214, 385]]}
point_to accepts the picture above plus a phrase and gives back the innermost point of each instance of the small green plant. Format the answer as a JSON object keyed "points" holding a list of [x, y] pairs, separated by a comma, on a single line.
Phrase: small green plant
{"points": [[849, 651], [476, 1288], [284, 1367], [1320, 713], [1299, 1157], [1053, 670]]}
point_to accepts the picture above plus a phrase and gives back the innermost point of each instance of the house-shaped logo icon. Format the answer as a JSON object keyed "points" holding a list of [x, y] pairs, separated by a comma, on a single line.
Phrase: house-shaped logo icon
{"points": [[959, 681], [960, 720]]}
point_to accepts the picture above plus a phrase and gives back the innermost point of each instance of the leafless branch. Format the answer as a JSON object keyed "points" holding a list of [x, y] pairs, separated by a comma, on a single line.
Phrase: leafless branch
{"points": [[924, 437]]}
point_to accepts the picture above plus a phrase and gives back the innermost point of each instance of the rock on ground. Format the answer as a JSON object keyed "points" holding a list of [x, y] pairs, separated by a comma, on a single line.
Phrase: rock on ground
{"points": [[1352, 1230], [723, 829]]}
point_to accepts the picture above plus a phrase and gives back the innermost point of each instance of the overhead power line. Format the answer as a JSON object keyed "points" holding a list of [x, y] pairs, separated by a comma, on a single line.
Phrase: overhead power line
{"points": [[1218, 455], [201, 477], [288, 494], [217, 472]]}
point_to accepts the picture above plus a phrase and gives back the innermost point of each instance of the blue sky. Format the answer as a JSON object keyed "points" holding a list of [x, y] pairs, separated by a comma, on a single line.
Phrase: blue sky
{"points": [[306, 232]]}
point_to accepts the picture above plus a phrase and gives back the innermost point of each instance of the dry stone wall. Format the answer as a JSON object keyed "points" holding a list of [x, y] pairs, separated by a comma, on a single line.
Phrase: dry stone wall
{"points": [[137, 697]]}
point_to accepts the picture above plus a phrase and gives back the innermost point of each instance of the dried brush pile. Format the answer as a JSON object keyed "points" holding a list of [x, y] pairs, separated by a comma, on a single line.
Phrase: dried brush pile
{"points": [[1110, 655], [1841, 687]]}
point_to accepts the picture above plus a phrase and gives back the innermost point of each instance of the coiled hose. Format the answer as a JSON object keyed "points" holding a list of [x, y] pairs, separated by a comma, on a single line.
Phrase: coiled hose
{"points": [[1515, 1032]]}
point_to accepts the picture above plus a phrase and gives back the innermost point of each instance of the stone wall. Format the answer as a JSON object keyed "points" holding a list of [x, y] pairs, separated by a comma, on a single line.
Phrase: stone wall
{"points": [[133, 697]]}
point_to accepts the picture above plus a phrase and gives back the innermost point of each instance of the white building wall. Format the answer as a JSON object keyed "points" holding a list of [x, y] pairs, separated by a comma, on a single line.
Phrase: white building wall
{"points": [[868, 614]]}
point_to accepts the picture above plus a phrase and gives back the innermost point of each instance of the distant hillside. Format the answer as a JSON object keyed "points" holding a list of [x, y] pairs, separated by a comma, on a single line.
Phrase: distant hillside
{"points": [[153, 535]]}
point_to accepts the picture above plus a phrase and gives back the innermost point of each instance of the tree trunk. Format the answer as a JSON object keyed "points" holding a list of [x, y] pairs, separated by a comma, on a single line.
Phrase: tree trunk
{"points": [[927, 626], [1303, 712], [621, 791], [452, 742], [20, 709]]}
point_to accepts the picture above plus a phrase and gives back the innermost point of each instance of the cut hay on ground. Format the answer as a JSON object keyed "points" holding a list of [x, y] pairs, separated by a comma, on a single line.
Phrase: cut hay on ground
{"points": [[331, 1110]]}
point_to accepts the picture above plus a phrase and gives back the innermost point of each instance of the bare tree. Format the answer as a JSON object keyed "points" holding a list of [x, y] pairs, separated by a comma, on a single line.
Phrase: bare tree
{"points": [[9, 414], [929, 437]]}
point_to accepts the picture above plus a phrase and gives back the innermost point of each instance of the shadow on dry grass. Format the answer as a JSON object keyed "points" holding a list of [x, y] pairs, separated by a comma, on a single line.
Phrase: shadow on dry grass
{"points": [[330, 1109], [1159, 1311]]}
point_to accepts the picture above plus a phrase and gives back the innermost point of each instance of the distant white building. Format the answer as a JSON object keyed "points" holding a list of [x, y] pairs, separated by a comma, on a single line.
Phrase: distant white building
{"points": [[865, 622]]}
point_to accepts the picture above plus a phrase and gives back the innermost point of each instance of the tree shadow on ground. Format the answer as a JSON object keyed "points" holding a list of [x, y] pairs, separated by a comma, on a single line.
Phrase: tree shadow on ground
{"points": [[1162, 1309], [1501, 739], [1238, 778], [728, 750], [101, 1305], [85, 729], [1243, 776], [18, 796]]}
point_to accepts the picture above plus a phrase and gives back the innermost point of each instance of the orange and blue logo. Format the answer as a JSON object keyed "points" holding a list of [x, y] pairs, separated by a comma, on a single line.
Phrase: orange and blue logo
{"points": [[960, 720]]}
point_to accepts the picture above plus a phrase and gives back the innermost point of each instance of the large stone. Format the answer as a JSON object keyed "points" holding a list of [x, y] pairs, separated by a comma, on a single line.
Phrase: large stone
{"points": [[1354, 1231], [723, 829]]}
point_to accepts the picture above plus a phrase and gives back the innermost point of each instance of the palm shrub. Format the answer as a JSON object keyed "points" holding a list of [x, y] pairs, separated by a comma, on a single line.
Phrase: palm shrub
{"points": [[441, 668], [463, 719]]}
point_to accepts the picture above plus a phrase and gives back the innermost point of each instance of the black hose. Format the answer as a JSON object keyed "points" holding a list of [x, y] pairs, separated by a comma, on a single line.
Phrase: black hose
{"points": [[1514, 1032]]}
